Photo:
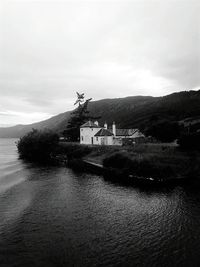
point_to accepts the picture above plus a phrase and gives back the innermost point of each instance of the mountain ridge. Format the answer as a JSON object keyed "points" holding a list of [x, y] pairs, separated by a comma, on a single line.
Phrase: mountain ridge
{"points": [[127, 112]]}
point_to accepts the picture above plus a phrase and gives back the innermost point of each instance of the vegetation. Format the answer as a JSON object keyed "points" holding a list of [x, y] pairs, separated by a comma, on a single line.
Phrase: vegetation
{"points": [[130, 112], [157, 166], [74, 150], [161, 161], [118, 160], [172, 117], [158, 161], [190, 141], [79, 116], [138, 167], [164, 131], [38, 146]]}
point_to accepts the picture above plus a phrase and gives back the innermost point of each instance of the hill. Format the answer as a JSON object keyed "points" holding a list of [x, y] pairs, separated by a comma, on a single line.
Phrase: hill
{"points": [[128, 112], [54, 123]]}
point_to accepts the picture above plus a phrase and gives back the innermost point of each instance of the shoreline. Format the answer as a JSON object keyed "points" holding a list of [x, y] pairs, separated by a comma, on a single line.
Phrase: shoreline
{"points": [[121, 176], [154, 163], [144, 163]]}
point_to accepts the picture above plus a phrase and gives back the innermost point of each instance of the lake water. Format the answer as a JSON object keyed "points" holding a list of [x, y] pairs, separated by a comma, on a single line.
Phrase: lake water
{"points": [[55, 217]]}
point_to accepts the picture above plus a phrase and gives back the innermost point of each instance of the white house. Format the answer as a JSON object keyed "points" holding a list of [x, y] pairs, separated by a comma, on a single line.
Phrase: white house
{"points": [[104, 137], [87, 132], [93, 134]]}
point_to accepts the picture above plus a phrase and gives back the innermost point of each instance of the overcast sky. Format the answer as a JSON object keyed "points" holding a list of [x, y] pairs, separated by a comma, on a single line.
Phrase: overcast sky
{"points": [[51, 49]]}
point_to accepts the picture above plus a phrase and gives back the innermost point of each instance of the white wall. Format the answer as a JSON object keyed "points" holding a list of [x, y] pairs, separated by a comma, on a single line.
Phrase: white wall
{"points": [[117, 141], [96, 140], [86, 135], [109, 140], [103, 140]]}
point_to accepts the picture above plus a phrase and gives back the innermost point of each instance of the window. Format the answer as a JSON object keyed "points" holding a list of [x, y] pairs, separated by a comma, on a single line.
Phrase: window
{"points": [[82, 138], [97, 138]]}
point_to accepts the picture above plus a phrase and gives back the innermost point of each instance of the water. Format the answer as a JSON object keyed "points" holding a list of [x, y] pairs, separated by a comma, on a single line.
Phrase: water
{"points": [[55, 217]]}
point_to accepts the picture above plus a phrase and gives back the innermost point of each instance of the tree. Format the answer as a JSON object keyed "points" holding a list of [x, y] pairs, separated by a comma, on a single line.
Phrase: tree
{"points": [[79, 116], [190, 141], [38, 146], [164, 131]]}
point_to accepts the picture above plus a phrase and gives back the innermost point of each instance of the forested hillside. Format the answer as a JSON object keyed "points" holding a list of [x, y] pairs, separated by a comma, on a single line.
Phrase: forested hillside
{"points": [[128, 112]]}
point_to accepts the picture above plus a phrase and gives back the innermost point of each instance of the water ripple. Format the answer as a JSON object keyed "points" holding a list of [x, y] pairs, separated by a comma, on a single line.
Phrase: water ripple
{"points": [[54, 217]]}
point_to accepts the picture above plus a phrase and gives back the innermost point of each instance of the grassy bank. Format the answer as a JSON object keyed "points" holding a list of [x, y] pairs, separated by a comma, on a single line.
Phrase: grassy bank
{"points": [[157, 161], [160, 161]]}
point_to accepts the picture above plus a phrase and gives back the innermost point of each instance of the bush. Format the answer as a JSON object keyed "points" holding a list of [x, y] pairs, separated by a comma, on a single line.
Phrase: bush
{"points": [[190, 141], [140, 167], [38, 146], [74, 151], [164, 131], [118, 160], [77, 165], [150, 168]]}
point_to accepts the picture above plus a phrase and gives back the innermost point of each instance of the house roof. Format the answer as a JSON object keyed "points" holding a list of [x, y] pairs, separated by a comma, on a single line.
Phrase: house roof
{"points": [[89, 124], [124, 132], [137, 134], [103, 132], [134, 133]]}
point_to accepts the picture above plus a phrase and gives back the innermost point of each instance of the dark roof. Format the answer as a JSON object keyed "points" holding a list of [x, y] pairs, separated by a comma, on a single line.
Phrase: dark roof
{"points": [[89, 124], [124, 132], [103, 132], [138, 134]]}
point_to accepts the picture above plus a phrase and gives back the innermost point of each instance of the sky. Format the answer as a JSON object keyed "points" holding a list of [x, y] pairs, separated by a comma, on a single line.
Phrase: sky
{"points": [[106, 49]]}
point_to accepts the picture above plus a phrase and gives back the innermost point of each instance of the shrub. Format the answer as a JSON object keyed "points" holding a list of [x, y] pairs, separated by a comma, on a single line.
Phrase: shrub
{"points": [[38, 146], [164, 131], [190, 141], [141, 167], [74, 151], [77, 165], [150, 168], [119, 160]]}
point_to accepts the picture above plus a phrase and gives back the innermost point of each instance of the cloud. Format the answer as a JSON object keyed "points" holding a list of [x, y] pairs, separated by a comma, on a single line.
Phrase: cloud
{"points": [[7, 117], [51, 49]]}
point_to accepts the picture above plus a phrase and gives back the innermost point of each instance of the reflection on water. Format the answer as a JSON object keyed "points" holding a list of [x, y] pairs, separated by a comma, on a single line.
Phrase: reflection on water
{"points": [[55, 217]]}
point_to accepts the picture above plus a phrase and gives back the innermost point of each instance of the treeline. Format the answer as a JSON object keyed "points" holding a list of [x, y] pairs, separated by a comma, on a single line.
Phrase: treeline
{"points": [[190, 141], [164, 131], [44, 147], [188, 137], [39, 146]]}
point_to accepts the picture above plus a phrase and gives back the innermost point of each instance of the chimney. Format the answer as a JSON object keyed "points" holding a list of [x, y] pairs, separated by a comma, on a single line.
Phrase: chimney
{"points": [[105, 125], [96, 122], [114, 128]]}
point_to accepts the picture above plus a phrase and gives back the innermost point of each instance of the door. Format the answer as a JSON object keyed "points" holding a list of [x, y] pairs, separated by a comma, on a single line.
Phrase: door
{"points": [[102, 141]]}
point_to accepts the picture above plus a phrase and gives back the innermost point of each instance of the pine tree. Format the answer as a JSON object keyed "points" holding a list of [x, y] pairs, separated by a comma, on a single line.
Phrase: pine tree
{"points": [[79, 116]]}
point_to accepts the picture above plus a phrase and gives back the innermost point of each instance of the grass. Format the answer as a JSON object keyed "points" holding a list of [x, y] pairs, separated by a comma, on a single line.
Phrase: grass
{"points": [[165, 161], [156, 160]]}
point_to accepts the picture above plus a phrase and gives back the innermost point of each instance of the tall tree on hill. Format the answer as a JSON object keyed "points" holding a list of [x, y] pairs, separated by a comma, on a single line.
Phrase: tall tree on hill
{"points": [[79, 116]]}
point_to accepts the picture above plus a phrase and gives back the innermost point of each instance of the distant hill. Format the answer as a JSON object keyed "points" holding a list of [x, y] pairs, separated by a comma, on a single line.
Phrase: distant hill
{"points": [[128, 112], [54, 123]]}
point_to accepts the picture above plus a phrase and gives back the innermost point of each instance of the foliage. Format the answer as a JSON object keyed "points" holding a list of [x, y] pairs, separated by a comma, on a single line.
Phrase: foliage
{"points": [[159, 165], [74, 151], [38, 146], [140, 167], [190, 141], [79, 116], [129, 112], [119, 160], [164, 131]]}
